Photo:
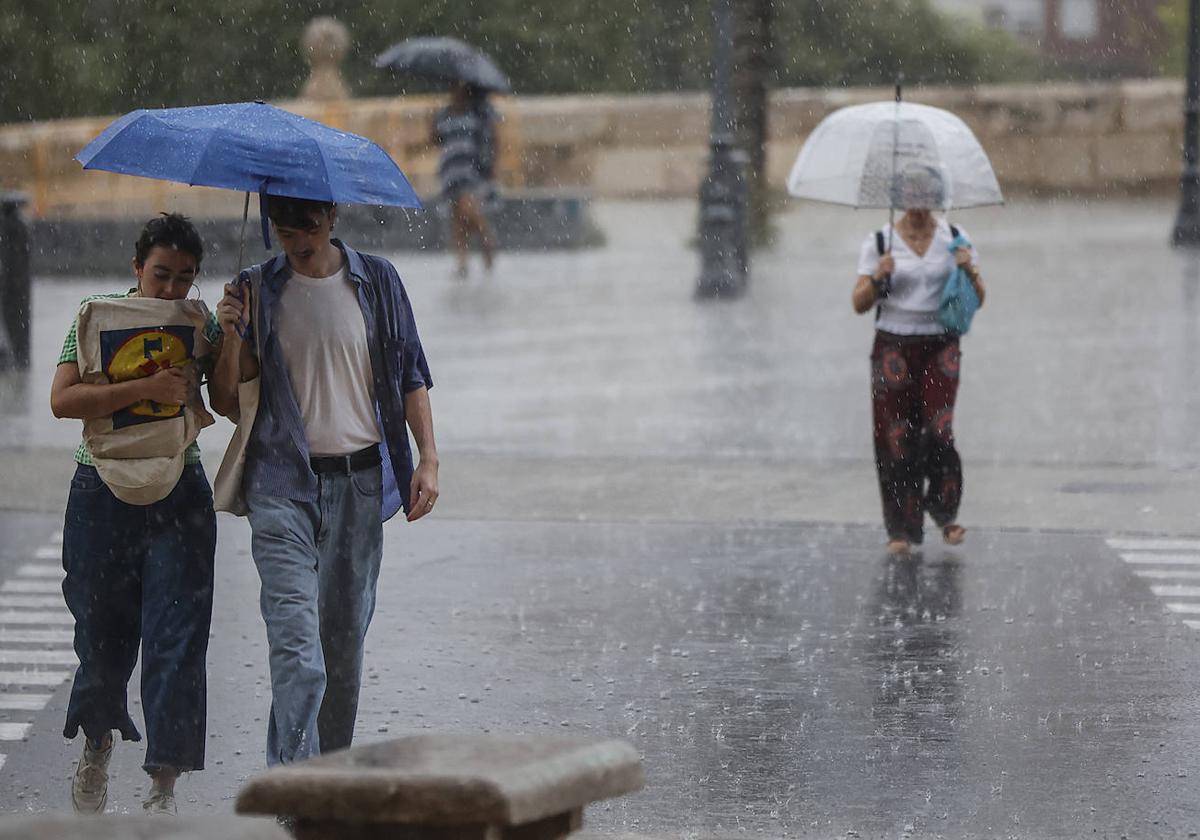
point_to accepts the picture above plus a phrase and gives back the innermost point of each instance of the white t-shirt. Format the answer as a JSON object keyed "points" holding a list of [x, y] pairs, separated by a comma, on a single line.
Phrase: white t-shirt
{"points": [[323, 340], [917, 282]]}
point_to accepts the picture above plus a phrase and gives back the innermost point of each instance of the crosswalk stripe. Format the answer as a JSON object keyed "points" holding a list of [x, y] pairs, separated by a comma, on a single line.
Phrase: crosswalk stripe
{"points": [[23, 702], [36, 617], [1176, 590], [1143, 544], [38, 657], [31, 586], [21, 635], [2, 759], [34, 601], [48, 552], [1158, 574], [42, 570], [14, 731], [1187, 607], [42, 678], [1195, 625], [1149, 558]]}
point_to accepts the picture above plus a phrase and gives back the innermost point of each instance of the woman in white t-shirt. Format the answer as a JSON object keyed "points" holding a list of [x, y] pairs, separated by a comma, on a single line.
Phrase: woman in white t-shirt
{"points": [[915, 361]]}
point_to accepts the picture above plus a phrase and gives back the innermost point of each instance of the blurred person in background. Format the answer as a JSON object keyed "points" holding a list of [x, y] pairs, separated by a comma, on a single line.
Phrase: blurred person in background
{"points": [[465, 131]]}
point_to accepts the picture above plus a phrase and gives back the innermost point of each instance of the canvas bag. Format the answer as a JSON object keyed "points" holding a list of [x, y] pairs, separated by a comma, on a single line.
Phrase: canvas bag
{"points": [[228, 494], [138, 450]]}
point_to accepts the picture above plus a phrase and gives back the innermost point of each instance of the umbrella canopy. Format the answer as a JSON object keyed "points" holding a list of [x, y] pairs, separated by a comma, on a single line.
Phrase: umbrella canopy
{"points": [[858, 156], [445, 60], [250, 147]]}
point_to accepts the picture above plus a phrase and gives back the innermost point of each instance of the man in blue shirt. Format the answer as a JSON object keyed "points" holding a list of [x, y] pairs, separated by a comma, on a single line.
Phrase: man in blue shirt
{"points": [[343, 380]]}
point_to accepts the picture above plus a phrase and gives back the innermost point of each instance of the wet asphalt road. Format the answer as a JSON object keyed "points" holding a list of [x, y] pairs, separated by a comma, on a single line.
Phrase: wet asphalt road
{"points": [[782, 681], [627, 545]]}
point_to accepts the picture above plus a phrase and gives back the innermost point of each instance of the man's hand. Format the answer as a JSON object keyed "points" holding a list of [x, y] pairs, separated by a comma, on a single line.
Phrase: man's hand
{"points": [[170, 386], [424, 490], [232, 308]]}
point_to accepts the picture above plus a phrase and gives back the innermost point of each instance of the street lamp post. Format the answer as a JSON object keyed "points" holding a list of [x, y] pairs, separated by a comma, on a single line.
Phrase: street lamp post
{"points": [[724, 193], [1187, 223]]}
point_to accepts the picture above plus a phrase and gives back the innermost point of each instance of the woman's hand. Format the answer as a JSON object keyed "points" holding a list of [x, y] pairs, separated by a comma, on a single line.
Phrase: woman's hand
{"points": [[170, 386], [232, 307], [962, 257], [887, 265]]}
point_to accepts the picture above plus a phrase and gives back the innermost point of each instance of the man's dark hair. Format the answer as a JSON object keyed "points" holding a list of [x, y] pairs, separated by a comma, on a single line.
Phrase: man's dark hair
{"points": [[296, 213], [170, 230]]}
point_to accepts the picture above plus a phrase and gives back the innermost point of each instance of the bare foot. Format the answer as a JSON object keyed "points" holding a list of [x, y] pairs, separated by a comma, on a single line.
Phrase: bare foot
{"points": [[954, 534], [899, 548]]}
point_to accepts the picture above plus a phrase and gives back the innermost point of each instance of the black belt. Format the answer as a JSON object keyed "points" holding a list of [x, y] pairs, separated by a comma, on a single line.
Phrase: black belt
{"points": [[360, 460]]}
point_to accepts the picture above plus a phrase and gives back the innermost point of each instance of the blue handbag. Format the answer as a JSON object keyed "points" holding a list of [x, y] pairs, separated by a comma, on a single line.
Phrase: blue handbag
{"points": [[959, 299]]}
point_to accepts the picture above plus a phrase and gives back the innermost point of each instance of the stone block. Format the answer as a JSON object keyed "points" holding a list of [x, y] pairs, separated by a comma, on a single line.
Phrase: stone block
{"points": [[628, 172], [447, 786], [1063, 163], [1137, 160], [685, 169], [1152, 105], [140, 828], [662, 119]]}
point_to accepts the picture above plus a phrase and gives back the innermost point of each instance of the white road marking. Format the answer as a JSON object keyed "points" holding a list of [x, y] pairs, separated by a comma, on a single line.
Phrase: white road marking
{"points": [[2, 758], [1148, 574], [43, 678], [1176, 590], [48, 552], [1145, 544], [38, 657], [14, 731], [23, 702], [32, 601], [10, 635], [1184, 607], [40, 570], [36, 617], [46, 586], [1195, 625], [1147, 558]]}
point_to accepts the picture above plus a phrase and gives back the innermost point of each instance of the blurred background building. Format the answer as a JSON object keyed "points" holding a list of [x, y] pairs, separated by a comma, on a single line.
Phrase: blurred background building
{"points": [[1081, 37]]}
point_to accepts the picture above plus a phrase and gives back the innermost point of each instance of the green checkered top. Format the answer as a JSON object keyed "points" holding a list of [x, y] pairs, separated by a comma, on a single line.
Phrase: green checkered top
{"points": [[70, 353]]}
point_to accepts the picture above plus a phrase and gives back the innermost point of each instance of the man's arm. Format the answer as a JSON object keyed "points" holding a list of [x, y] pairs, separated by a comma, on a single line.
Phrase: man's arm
{"points": [[424, 489], [235, 362]]}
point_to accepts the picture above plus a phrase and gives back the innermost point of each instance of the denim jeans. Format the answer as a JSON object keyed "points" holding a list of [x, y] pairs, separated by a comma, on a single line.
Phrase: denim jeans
{"points": [[319, 564], [141, 574]]}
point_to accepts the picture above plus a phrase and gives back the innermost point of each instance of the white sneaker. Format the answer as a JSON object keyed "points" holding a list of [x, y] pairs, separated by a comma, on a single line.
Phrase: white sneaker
{"points": [[160, 804], [89, 787]]}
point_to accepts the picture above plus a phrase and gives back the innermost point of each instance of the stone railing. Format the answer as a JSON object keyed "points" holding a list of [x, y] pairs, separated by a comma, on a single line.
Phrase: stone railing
{"points": [[1089, 137]]}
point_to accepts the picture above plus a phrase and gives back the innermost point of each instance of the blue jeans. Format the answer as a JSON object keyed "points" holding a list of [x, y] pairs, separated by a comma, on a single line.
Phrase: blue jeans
{"points": [[319, 564], [141, 574]]}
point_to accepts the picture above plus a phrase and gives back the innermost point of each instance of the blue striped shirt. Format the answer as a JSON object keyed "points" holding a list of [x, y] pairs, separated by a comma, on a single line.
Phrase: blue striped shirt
{"points": [[277, 453]]}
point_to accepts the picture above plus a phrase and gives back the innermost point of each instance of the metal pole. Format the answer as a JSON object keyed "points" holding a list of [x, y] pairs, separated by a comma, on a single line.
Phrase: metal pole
{"points": [[1187, 223], [723, 194]]}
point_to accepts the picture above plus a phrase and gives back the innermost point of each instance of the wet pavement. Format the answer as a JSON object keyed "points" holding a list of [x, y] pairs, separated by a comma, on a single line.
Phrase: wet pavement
{"points": [[659, 522], [782, 681]]}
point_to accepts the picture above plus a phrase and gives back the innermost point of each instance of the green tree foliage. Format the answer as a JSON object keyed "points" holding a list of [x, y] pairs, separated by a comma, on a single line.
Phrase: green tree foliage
{"points": [[1173, 15], [76, 57]]}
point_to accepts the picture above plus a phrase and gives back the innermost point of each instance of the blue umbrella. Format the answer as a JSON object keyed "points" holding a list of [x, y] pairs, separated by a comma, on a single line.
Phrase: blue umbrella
{"points": [[250, 147]]}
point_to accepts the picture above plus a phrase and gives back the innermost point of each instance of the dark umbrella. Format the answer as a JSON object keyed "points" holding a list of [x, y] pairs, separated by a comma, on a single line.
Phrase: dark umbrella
{"points": [[445, 60]]}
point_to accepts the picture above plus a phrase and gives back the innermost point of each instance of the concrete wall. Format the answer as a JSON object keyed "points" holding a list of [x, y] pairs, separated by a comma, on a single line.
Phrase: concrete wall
{"points": [[1093, 138]]}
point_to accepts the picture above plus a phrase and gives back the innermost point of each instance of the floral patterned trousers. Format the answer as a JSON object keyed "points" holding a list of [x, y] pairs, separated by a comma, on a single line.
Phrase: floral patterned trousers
{"points": [[914, 382]]}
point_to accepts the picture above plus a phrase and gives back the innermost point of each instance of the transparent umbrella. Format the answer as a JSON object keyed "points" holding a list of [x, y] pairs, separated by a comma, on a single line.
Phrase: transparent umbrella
{"points": [[856, 156]]}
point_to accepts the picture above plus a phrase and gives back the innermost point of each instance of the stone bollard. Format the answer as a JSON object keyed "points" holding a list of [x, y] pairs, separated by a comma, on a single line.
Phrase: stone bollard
{"points": [[446, 787], [139, 828]]}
